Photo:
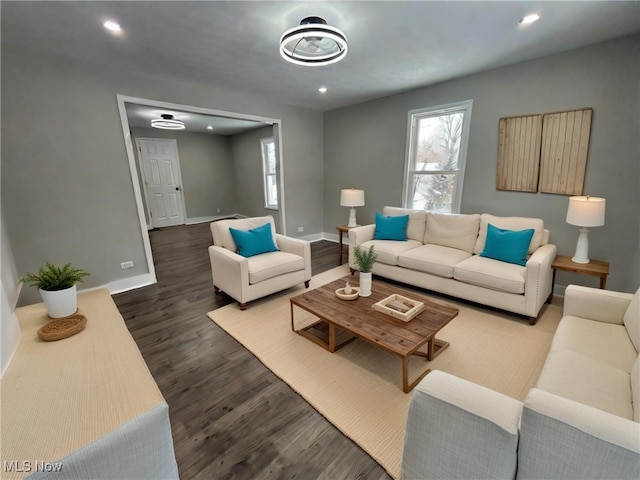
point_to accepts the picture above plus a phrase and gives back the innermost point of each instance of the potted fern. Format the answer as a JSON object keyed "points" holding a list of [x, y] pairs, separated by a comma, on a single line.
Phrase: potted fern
{"points": [[57, 287], [364, 260]]}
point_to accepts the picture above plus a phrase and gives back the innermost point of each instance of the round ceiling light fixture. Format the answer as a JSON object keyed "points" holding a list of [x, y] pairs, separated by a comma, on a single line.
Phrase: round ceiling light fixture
{"points": [[167, 122], [313, 43]]}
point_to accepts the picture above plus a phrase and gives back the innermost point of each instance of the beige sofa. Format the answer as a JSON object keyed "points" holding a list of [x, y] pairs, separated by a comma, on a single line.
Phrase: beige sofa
{"points": [[582, 419], [441, 254]]}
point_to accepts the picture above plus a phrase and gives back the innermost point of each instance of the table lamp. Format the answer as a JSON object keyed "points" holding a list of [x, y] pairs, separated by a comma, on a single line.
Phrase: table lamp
{"points": [[352, 198], [585, 212]]}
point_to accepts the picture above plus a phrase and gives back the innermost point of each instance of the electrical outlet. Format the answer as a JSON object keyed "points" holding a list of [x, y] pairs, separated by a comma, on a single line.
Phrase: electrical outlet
{"points": [[125, 265], [300, 229], [217, 210]]}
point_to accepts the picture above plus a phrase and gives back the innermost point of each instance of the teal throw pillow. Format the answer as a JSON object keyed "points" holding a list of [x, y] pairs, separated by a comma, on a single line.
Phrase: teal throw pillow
{"points": [[391, 227], [507, 245], [255, 241]]}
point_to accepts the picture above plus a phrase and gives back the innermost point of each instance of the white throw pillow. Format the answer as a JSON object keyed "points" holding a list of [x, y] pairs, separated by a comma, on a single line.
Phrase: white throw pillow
{"points": [[452, 230]]}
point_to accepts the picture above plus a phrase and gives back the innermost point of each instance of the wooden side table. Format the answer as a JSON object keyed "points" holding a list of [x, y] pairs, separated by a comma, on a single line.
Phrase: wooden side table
{"points": [[342, 229], [595, 268]]}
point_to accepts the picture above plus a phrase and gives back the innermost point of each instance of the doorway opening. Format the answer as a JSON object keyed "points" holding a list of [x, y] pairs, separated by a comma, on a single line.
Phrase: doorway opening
{"points": [[136, 175]]}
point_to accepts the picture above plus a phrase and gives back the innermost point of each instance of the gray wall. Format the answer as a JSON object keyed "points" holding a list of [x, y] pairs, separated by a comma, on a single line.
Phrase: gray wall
{"points": [[207, 169], [365, 148], [246, 150], [67, 194]]}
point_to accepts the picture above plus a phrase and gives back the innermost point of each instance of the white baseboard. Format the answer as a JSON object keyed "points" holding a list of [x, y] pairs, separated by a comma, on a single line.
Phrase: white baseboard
{"points": [[125, 284], [195, 220]]}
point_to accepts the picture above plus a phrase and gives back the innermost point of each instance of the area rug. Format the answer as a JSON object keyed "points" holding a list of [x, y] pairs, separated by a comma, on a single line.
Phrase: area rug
{"points": [[359, 388]]}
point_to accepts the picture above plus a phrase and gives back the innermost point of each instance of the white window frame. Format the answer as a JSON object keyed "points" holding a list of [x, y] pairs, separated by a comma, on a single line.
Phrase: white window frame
{"points": [[264, 143], [411, 149]]}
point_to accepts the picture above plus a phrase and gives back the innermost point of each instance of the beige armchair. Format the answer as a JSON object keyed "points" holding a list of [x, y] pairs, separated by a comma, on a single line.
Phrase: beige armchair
{"points": [[246, 278]]}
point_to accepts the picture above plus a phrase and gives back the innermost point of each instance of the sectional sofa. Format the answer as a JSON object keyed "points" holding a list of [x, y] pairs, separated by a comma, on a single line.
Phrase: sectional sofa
{"points": [[582, 419], [444, 253]]}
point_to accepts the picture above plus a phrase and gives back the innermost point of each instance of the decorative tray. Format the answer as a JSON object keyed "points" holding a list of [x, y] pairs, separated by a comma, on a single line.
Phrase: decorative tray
{"points": [[355, 292], [399, 307], [62, 328]]}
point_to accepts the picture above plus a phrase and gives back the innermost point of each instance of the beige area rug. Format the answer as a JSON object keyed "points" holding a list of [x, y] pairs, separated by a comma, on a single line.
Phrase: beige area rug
{"points": [[359, 388]]}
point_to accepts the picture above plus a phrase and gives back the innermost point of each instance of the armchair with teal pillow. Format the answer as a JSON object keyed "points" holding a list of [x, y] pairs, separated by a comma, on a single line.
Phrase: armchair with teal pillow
{"points": [[249, 260]]}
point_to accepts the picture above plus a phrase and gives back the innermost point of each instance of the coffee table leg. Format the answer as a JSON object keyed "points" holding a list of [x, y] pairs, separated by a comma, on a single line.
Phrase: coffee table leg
{"points": [[406, 386]]}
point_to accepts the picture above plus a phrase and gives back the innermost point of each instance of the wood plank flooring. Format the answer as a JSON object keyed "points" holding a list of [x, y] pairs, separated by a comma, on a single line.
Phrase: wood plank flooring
{"points": [[231, 418]]}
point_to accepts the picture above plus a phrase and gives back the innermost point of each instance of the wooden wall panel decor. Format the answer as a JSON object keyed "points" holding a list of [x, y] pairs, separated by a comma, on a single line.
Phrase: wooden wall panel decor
{"points": [[519, 153], [565, 142]]}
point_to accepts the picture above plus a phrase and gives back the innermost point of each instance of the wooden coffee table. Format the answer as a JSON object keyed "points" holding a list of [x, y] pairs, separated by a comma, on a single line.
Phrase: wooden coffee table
{"points": [[358, 319]]}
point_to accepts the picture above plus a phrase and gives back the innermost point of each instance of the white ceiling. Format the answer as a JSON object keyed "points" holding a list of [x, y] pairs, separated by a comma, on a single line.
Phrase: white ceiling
{"points": [[393, 46]]}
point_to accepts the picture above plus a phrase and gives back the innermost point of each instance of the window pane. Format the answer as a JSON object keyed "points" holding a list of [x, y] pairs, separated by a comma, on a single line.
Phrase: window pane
{"points": [[432, 192], [272, 191], [438, 144], [271, 157]]}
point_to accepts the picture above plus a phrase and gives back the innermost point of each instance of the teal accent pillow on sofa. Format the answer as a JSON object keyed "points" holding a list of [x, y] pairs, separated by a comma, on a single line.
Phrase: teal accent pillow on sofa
{"points": [[509, 246], [255, 241], [391, 227]]}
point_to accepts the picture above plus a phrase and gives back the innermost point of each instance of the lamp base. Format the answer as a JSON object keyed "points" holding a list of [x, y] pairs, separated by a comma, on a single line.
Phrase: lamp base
{"points": [[582, 247], [352, 218]]}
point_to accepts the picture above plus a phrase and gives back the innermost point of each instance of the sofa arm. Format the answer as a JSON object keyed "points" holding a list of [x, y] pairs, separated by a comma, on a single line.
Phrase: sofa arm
{"points": [[229, 271], [561, 438], [302, 248], [539, 278], [357, 236], [458, 429], [596, 304]]}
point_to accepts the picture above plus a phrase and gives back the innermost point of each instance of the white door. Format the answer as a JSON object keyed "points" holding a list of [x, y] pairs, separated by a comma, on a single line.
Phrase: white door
{"points": [[162, 181]]}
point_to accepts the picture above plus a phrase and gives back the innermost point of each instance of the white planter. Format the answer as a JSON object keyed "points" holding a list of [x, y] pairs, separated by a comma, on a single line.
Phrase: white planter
{"points": [[365, 284], [60, 303]]}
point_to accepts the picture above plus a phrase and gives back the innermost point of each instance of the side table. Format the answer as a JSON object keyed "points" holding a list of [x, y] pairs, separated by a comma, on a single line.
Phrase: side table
{"points": [[595, 268], [342, 229]]}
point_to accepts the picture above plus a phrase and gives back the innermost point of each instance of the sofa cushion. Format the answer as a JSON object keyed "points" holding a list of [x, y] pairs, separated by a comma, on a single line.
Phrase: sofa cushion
{"points": [[452, 230], [631, 321], [635, 389], [272, 264], [605, 342], [222, 237], [434, 259], [388, 250], [417, 221], [509, 246], [254, 241], [586, 380], [493, 274], [510, 223], [391, 227]]}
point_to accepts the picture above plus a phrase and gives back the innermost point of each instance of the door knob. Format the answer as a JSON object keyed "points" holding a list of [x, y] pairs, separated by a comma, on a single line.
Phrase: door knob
{"points": [[177, 189]]}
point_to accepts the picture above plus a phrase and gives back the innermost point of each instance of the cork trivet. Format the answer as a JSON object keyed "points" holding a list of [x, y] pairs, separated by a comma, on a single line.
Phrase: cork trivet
{"points": [[62, 328]]}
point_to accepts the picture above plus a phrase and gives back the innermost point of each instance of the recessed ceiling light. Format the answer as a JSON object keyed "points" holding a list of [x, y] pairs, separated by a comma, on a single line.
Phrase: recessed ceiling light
{"points": [[112, 26], [322, 89], [529, 18], [209, 127]]}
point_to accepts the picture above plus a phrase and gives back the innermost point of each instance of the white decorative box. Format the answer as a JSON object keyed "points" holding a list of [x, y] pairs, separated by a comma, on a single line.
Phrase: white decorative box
{"points": [[399, 307]]}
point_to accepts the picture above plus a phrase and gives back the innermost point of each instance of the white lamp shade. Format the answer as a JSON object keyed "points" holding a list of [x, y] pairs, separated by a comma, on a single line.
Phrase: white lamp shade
{"points": [[586, 211], [351, 198]]}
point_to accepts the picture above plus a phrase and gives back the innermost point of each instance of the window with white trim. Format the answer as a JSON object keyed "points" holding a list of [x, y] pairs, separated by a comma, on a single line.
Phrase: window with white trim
{"points": [[436, 155], [269, 173]]}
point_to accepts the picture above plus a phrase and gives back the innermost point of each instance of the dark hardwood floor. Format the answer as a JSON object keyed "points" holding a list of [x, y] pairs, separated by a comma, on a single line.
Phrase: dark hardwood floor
{"points": [[231, 417]]}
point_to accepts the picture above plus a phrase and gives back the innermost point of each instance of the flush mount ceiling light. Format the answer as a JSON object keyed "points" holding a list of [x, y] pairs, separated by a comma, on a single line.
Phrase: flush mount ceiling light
{"points": [[112, 26], [167, 122], [313, 43]]}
